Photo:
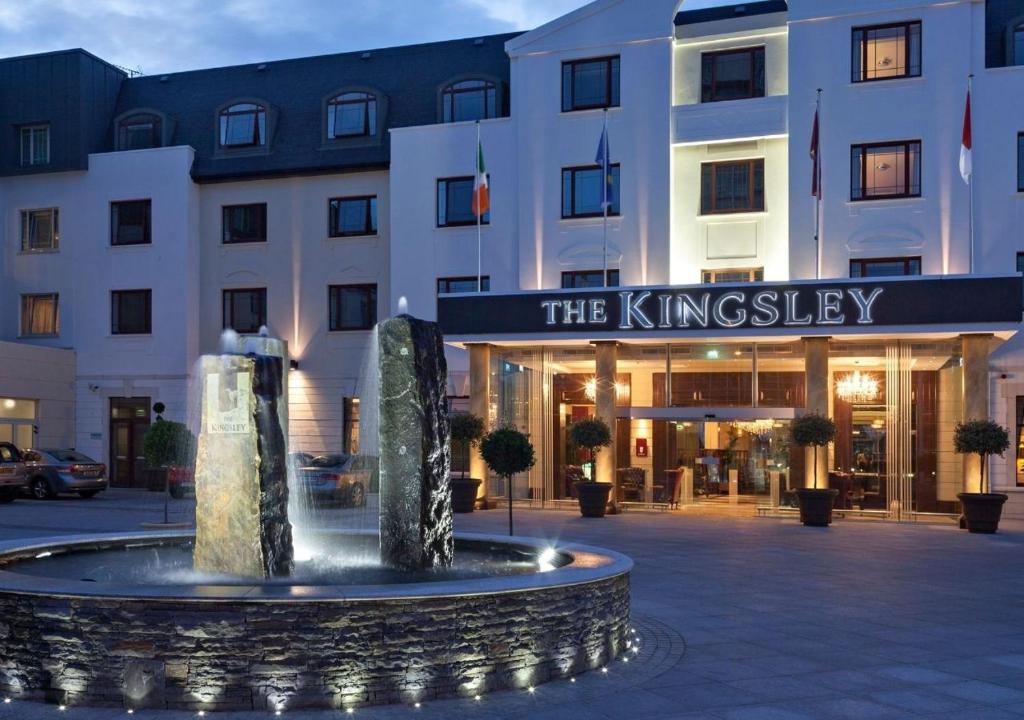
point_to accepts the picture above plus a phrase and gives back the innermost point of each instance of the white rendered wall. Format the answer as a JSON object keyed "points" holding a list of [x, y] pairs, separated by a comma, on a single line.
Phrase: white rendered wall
{"points": [[46, 375]]}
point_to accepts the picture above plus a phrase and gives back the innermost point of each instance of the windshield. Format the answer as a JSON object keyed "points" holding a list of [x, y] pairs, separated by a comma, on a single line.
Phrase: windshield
{"points": [[68, 456]]}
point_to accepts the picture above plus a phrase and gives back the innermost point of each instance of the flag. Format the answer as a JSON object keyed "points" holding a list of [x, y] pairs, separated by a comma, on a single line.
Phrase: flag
{"points": [[816, 157], [966, 144], [481, 186], [604, 160]]}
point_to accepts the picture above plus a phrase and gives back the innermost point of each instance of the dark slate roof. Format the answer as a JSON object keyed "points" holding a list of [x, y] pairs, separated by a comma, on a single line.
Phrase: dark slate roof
{"points": [[408, 77], [728, 12]]}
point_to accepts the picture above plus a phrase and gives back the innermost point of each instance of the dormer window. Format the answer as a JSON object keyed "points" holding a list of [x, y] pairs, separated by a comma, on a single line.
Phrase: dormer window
{"points": [[469, 100], [351, 114], [139, 132], [243, 125], [1018, 44]]}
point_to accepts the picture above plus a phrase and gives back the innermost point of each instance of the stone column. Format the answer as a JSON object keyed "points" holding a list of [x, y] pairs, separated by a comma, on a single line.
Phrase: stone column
{"points": [[817, 389], [479, 405], [975, 397], [606, 357]]}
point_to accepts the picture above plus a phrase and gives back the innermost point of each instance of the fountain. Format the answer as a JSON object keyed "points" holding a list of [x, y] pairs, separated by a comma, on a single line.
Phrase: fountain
{"points": [[232, 617]]}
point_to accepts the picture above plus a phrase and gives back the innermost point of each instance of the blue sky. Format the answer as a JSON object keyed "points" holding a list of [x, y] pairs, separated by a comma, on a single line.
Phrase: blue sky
{"points": [[186, 34]]}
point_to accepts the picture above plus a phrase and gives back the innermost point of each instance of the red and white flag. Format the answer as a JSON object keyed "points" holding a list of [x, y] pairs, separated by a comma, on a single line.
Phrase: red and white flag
{"points": [[966, 144], [816, 157]]}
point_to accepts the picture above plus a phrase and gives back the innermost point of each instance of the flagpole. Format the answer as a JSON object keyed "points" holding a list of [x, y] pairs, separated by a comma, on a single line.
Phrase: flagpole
{"points": [[970, 180], [606, 195], [817, 197], [479, 217]]}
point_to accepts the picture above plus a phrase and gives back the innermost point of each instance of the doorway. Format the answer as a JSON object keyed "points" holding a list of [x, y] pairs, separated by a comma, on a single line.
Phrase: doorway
{"points": [[129, 420]]}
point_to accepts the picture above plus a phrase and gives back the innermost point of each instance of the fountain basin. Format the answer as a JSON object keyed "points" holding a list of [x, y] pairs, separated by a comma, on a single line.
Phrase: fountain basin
{"points": [[223, 643]]}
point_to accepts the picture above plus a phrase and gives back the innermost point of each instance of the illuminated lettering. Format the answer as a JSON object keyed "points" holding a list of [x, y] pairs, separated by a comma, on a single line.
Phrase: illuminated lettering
{"points": [[765, 312], [631, 311], [830, 307], [719, 310], [551, 308], [664, 311], [574, 311], [864, 304], [597, 315], [792, 296], [689, 309]]}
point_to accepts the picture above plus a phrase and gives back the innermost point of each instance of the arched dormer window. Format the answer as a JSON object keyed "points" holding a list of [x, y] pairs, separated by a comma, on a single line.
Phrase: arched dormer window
{"points": [[139, 131], [467, 100], [242, 125], [351, 114]]}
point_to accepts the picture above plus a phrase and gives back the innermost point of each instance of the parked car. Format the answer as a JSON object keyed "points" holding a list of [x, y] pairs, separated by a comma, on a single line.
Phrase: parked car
{"points": [[52, 472], [337, 479], [13, 479], [181, 481]]}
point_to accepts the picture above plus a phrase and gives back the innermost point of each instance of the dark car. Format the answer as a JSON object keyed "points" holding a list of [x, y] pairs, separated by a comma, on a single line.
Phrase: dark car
{"points": [[339, 479], [52, 472], [13, 480]]}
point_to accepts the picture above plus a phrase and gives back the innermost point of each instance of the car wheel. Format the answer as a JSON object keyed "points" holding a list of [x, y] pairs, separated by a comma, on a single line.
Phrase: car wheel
{"points": [[41, 489], [7, 496], [357, 495], [88, 493]]}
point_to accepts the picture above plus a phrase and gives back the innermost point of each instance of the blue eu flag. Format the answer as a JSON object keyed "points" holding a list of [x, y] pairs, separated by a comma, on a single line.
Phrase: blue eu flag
{"points": [[604, 160]]}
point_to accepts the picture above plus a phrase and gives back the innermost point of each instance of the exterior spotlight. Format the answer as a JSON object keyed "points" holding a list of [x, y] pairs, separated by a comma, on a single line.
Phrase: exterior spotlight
{"points": [[131, 711], [416, 705], [201, 713], [604, 670], [625, 659], [477, 698], [349, 711], [293, 364], [572, 680], [62, 708], [7, 701], [530, 689], [277, 712]]}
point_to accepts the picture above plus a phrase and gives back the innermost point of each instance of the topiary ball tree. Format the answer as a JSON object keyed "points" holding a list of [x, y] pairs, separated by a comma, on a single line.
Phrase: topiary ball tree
{"points": [[168, 443], [981, 438], [814, 431], [466, 431], [507, 452], [591, 434]]}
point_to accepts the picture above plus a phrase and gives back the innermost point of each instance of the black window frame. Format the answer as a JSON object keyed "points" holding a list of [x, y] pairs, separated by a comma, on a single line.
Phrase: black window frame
{"points": [[227, 236], [859, 70], [907, 147], [26, 230], [569, 278], [115, 312], [1020, 162], [227, 309], [709, 85], [450, 91], [485, 220], [444, 284], [260, 124], [369, 216], [753, 165], [614, 209], [116, 212], [909, 263], [334, 310], [613, 83], [369, 102], [155, 122]]}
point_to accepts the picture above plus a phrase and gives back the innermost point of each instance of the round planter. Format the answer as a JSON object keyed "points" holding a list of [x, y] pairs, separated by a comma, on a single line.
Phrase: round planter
{"points": [[464, 492], [816, 506], [593, 498], [982, 511]]}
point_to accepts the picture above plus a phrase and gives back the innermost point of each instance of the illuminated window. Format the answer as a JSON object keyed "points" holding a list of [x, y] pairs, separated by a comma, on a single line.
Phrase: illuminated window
{"points": [[39, 316], [887, 170], [351, 114], [732, 187], [884, 52], [734, 275]]}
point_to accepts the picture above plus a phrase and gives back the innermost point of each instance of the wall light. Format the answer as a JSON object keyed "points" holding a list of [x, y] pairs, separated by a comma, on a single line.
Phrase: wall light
{"points": [[293, 364]]}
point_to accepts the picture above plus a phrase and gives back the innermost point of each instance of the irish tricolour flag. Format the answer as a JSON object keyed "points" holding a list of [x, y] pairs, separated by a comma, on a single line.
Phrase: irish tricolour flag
{"points": [[967, 145], [481, 190]]}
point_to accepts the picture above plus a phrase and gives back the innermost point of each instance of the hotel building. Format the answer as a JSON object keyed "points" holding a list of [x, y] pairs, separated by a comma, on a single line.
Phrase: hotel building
{"points": [[717, 300]]}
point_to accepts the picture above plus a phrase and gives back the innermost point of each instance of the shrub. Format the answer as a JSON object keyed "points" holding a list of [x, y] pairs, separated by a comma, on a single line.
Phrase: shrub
{"points": [[507, 452], [981, 438], [591, 434], [814, 431], [466, 430], [168, 443]]}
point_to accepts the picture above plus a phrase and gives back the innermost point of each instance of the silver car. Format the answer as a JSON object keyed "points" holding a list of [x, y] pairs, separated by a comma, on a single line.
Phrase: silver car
{"points": [[12, 472], [52, 472]]}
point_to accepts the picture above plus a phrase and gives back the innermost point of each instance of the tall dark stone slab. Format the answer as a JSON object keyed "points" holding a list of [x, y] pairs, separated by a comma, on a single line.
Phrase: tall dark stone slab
{"points": [[415, 495]]}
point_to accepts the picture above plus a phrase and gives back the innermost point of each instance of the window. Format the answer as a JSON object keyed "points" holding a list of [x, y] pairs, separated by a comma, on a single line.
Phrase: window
{"points": [[451, 285], [883, 52], [139, 131], [40, 230], [1020, 441], [885, 267], [469, 100], [1018, 45], [245, 311], [889, 170], [243, 125], [732, 187], [130, 222], [131, 312], [583, 192], [353, 216], [1020, 162], [455, 203], [351, 114], [734, 275], [588, 279], [732, 74], [35, 145], [244, 223], [350, 426], [352, 307], [39, 316], [1020, 262], [590, 84]]}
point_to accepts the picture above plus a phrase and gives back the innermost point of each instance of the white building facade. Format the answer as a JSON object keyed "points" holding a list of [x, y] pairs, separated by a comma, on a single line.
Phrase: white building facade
{"points": [[312, 195]]}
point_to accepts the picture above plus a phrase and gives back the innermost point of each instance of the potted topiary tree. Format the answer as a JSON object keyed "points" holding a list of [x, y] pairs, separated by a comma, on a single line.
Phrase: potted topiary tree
{"points": [[814, 431], [983, 509], [466, 431], [167, 445], [507, 452], [592, 434]]}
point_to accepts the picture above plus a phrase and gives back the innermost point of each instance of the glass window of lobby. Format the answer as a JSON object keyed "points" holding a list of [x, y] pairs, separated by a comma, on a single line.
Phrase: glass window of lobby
{"points": [[732, 74], [245, 309], [353, 216], [469, 100], [35, 144], [583, 191], [139, 131], [455, 203], [243, 125], [732, 187], [881, 171], [884, 52], [351, 114], [130, 222], [131, 312], [244, 223], [40, 230], [885, 267], [352, 307], [590, 84], [39, 315]]}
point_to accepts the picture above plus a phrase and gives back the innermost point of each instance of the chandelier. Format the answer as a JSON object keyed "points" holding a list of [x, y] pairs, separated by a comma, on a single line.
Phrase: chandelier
{"points": [[590, 389], [857, 388], [759, 428]]}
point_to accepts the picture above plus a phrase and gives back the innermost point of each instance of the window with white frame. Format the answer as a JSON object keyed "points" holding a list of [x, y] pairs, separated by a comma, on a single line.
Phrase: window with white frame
{"points": [[35, 144]]}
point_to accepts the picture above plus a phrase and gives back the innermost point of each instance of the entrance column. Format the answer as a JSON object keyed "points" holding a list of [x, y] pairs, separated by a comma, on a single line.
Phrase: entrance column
{"points": [[975, 404], [817, 389], [479, 405], [606, 357]]}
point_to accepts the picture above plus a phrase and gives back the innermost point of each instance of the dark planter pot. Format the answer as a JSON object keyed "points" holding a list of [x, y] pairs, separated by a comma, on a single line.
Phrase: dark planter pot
{"points": [[156, 479], [593, 498], [464, 492], [982, 511], [816, 506]]}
